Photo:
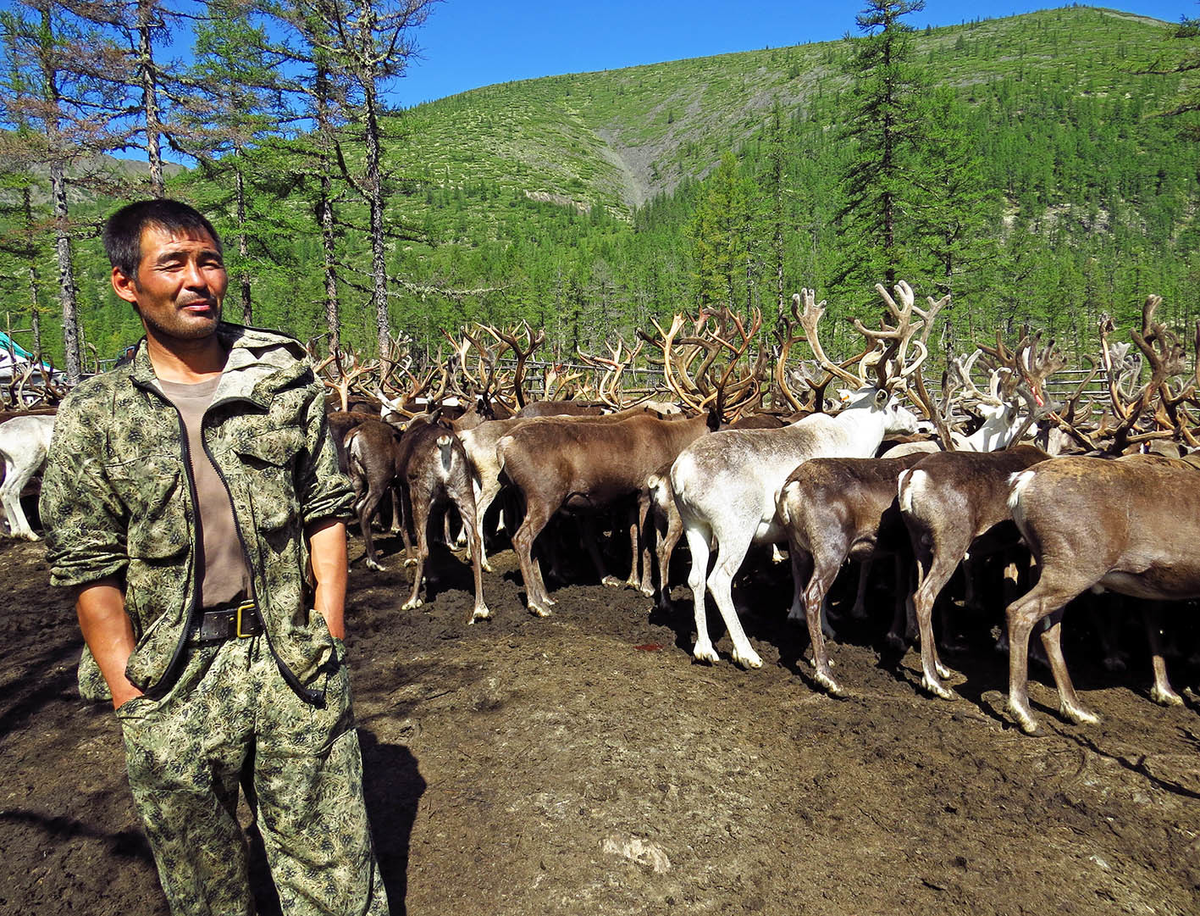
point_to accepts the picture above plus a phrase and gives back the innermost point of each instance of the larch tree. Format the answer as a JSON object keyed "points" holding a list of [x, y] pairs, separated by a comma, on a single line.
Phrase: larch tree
{"points": [[954, 210], [885, 128], [232, 104], [71, 105], [720, 236], [368, 44]]}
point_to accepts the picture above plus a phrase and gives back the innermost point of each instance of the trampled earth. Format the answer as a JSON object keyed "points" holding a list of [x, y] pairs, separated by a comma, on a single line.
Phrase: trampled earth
{"points": [[583, 764]]}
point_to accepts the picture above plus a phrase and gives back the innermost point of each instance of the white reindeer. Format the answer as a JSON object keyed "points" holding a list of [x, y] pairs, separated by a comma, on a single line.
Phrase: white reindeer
{"points": [[24, 442]]}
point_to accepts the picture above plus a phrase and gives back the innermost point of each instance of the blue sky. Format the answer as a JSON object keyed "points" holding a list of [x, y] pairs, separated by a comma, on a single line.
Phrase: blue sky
{"points": [[471, 43]]}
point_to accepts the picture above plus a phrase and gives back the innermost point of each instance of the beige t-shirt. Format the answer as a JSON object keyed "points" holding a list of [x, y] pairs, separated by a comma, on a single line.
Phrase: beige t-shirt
{"points": [[225, 576]]}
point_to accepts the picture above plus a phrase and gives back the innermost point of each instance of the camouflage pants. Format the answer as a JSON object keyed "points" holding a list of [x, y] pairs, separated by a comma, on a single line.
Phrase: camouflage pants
{"points": [[185, 753]]}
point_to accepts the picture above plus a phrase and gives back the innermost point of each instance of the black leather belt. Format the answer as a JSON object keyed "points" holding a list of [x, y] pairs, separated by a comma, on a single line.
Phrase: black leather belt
{"points": [[233, 621]]}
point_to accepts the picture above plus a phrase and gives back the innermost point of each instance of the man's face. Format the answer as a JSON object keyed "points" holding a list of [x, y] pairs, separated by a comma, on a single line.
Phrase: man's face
{"points": [[180, 283]]}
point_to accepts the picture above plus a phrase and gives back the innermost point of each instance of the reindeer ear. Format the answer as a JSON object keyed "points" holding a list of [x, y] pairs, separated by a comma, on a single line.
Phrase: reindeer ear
{"points": [[881, 398]]}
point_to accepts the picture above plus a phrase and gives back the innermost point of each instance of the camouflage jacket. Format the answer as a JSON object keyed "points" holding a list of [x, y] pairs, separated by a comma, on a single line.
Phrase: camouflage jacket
{"points": [[118, 499]]}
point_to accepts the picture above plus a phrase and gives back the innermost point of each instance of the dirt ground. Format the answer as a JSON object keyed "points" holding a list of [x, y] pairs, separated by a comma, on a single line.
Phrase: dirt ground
{"points": [[583, 764]]}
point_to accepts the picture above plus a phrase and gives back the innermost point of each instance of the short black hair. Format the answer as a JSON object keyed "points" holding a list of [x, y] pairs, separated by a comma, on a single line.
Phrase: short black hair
{"points": [[123, 231]]}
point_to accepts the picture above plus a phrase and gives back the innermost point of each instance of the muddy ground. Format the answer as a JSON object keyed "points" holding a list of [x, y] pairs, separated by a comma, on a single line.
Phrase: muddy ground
{"points": [[583, 764]]}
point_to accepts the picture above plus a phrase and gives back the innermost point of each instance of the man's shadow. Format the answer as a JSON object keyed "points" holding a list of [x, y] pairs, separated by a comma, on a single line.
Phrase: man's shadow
{"points": [[392, 787]]}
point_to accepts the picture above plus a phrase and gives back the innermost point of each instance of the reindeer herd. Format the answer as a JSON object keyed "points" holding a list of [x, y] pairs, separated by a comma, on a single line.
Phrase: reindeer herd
{"points": [[737, 444]]}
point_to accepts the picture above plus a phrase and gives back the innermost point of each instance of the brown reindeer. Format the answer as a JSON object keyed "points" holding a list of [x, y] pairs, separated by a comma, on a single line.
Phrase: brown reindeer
{"points": [[435, 471], [374, 463], [583, 464], [1131, 526], [834, 509], [948, 500]]}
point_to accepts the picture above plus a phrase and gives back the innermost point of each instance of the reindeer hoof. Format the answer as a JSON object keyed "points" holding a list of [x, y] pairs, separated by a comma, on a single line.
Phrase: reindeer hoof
{"points": [[411, 604], [943, 671], [611, 582], [375, 565], [538, 610], [831, 687], [486, 566], [481, 613], [705, 654], [1078, 715], [938, 690], [409, 562], [1028, 724], [749, 659], [1165, 697]]}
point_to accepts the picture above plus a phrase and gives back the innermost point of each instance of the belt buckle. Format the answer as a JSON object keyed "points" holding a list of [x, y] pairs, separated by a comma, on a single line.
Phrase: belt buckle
{"points": [[242, 608]]}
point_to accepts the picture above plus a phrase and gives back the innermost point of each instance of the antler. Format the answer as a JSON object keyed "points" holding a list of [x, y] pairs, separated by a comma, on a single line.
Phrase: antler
{"points": [[346, 377], [522, 354], [809, 319], [892, 368], [664, 343]]}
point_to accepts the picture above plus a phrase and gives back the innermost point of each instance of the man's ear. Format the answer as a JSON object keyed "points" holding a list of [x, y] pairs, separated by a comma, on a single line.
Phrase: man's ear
{"points": [[124, 286]]}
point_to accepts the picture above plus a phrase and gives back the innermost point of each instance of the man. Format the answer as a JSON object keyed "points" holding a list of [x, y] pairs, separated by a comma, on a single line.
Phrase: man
{"points": [[192, 499]]}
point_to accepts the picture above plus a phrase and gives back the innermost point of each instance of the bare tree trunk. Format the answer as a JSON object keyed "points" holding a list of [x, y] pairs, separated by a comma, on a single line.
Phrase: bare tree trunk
{"points": [[333, 321], [374, 187], [66, 274], [150, 98], [243, 246], [35, 318], [332, 318]]}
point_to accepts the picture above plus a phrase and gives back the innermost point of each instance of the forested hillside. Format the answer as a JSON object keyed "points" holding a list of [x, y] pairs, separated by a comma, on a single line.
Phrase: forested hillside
{"points": [[590, 203]]}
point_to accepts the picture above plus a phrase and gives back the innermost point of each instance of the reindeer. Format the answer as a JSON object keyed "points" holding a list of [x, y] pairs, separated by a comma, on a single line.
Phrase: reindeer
{"points": [[435, 471], [834, 509], [727, 485], [947, 501], [375, 464], [24, 441], [1131, 526], [583, 463]]}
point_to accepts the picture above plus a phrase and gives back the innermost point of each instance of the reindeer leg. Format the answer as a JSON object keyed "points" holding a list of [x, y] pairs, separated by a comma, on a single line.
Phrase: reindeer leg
{"points": [[483, 500], [587, 524], [464, 500], [421, 510], [664, 548], [731, 552], [397, 513], [935, 566], [1161, 693], [367, 508], [698, 541], [14, 483], [802, 566], [406, 506], [859, 611], [637, 522], [1053, 590], [1069, 703], [536, 516], [826, 564]]}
